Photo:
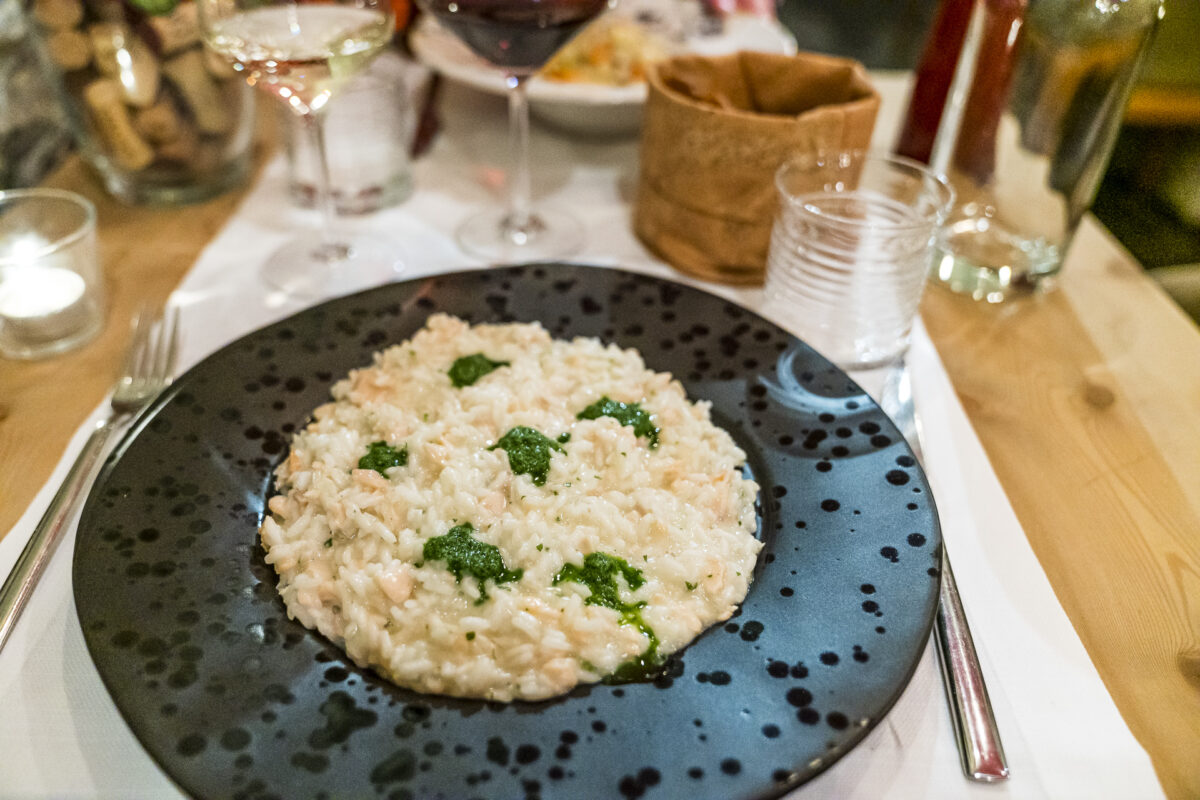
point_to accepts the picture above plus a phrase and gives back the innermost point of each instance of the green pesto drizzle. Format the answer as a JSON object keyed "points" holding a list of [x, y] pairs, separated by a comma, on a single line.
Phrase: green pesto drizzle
{"points": [[646, 667], [528, 452], [599, 574], [466, 555], [468, 369], [631, 414], [381, 457]]}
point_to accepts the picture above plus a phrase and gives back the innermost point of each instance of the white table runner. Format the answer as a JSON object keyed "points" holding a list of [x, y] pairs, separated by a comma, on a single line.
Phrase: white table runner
{"points": [[61, 736]]}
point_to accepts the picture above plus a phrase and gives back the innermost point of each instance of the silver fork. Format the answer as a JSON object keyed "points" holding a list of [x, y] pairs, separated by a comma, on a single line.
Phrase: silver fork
{"points": [[147, 370]]}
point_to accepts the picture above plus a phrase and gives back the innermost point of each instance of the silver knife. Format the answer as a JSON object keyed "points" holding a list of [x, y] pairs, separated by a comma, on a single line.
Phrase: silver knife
{"points": [[979, 746]]}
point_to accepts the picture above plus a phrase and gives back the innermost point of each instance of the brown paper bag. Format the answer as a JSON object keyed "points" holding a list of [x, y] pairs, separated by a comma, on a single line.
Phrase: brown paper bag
{"points": [[714, 132]]}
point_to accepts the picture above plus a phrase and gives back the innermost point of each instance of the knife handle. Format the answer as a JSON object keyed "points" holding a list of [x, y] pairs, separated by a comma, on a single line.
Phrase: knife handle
{"points": [[19, 585], [979, 745]]}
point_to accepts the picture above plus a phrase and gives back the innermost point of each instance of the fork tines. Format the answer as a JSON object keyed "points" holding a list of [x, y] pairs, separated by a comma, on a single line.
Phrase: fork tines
{"points": [[154, 345]]}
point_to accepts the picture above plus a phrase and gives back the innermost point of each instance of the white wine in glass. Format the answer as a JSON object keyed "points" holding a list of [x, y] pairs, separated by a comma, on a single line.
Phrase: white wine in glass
{"points": [[302, 53]]}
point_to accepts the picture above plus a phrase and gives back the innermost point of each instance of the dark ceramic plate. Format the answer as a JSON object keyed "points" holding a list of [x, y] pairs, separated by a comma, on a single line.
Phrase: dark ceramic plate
{"points": [[233, 699]]}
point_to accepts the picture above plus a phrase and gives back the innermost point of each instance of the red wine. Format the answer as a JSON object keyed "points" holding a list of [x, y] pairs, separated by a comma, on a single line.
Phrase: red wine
{"points": [[518, 35]]}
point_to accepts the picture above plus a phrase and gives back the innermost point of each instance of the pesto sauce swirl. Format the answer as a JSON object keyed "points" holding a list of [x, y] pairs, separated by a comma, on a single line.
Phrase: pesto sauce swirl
{"points": [[468, 369], [599, 574], [631, 414], [381, 457], [466, 555], [528, 452]]}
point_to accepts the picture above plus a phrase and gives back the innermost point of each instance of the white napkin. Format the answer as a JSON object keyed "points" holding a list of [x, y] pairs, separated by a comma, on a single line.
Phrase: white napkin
{"points": [[62, 736]]}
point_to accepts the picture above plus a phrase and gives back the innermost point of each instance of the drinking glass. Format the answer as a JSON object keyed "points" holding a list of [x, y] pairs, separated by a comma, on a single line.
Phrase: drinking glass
{"points": [[52, 296], [368, 128], [303, 53], [518, 36], [850, 249]]}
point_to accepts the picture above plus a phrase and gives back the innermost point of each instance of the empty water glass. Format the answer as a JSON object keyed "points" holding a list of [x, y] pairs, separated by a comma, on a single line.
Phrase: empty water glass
{"points": [[850, 249]]}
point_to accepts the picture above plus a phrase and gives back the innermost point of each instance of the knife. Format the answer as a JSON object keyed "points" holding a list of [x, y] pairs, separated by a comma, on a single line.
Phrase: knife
{"points": [[979, 747]]}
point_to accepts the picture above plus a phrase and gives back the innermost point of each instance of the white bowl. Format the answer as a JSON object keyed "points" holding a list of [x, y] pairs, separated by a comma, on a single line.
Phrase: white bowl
{"points": [[588, 109]]}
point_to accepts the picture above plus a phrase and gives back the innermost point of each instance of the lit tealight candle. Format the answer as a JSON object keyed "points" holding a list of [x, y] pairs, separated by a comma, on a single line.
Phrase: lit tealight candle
{"points": [[41, 302], [51, 294]]}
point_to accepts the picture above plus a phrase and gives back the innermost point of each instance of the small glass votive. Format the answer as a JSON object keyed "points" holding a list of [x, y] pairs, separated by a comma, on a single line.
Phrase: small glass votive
{"points": [[850, 249], [52, 295]]}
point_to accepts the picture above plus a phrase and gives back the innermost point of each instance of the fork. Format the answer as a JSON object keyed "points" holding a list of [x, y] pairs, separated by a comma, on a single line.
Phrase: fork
{"points": [[147, 370]]}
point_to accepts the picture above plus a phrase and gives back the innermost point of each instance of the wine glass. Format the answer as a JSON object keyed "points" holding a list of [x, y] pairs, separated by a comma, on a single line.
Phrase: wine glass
{"points": [[518, 36], [302, 52]]}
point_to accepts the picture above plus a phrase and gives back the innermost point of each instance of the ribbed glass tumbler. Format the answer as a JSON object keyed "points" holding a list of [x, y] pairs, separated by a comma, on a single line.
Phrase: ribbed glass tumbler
{"points": [[852, 243]]}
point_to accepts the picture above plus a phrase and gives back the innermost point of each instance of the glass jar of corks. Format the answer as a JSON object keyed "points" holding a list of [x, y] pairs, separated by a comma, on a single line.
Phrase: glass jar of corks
{"points": [[159, 118]]}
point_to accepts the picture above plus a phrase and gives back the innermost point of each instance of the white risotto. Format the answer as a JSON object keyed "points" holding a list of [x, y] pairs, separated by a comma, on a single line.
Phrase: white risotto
{"points": [[490, 539]]}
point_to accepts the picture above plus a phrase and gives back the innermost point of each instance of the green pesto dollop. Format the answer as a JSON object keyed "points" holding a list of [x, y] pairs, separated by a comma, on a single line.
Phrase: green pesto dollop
{"points": [[645, 667], [466, 555], [528, 452], [631, 414], [599, 573], [468, 369], [381, 456]]}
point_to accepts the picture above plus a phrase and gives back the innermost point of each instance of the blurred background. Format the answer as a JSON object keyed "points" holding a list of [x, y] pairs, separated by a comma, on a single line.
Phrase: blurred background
{"points": [[33, 128], [1150, 197]]}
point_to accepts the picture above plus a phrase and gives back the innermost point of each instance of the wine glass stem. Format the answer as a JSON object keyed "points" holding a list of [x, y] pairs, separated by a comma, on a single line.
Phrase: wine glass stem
{"points": [[520, 190], [330, 249]]}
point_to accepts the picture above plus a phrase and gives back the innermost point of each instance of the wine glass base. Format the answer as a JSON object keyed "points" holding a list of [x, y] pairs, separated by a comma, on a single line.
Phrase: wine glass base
{"points": [[547, 234], [311, 268]]}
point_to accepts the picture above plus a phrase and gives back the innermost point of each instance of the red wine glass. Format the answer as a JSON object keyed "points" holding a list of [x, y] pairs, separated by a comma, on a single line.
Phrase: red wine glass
{"points": [[518, 36]]}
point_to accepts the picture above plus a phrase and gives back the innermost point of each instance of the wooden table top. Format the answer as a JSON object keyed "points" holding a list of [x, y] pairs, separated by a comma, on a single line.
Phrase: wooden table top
{"points": [[1084, 398]]}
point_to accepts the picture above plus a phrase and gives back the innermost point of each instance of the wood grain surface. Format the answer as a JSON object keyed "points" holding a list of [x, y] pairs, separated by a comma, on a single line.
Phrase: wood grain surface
{"points": [[1084, 398], [144, 253]]}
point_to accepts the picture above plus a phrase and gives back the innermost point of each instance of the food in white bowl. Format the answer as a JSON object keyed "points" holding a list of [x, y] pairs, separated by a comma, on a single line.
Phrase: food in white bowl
{"points": [[489, 512], [605, 109], [612, 51]]}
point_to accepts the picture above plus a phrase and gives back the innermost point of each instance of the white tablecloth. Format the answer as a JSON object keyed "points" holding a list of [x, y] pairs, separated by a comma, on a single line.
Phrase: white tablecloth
{"points": [[61, 736]]}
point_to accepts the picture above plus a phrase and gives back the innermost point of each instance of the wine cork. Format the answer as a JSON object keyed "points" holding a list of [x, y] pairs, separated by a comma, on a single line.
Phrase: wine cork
{"points": [[70, 49], [121, 55], [178, 30], [183, 149], [58, 15], [218, 66], [107, 38], [114, 126], [199, 90], [159, 124]]}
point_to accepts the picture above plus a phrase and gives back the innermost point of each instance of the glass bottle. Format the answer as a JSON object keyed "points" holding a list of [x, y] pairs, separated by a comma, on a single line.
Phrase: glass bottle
{"points": [[934, 74], [1031, 117]]}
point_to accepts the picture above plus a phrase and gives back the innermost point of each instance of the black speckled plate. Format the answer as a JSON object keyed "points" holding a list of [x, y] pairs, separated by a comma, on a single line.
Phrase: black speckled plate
{"points": [[233, 699]]}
